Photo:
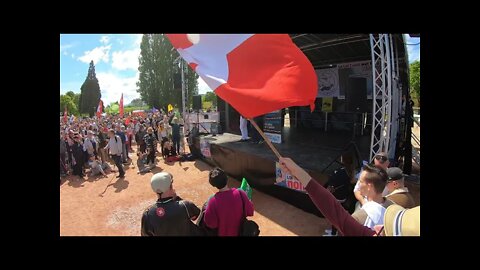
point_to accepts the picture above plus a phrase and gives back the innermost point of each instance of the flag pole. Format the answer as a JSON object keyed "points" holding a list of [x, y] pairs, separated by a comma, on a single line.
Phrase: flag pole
{"points": [[275, 151]]}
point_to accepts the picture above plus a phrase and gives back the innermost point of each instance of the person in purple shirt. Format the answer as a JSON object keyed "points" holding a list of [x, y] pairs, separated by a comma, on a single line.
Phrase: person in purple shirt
{"points": [[225, 210]]}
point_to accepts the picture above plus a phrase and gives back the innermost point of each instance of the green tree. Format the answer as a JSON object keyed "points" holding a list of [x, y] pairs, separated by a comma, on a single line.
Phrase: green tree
{"points": [[157, 69], [90, 92], [112, 108], [66, 100], [415, 81], [75, 98], [136, 103], [211, 97]]}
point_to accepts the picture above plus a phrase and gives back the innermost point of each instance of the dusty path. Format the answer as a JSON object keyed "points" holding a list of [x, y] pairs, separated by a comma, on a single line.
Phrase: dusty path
{"points": [[112, 207]]}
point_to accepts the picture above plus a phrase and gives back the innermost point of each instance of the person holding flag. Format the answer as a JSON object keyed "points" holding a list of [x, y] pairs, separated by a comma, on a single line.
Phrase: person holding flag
{"points": [[99, 109], [121, 107]]}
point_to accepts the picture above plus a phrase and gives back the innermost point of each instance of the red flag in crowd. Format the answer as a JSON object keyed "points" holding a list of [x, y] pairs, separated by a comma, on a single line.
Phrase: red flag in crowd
{"points": [[65, 115], [121, 106], [255, 73], [99, 108]]}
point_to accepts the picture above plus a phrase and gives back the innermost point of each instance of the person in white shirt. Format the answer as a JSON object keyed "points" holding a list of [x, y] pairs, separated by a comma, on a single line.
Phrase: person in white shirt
{"points": [[372, 182], [380, 161], [115, 147], [90, 144]]}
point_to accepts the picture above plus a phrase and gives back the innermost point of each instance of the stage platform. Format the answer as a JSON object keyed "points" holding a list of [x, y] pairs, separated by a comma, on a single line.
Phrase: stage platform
{"points": [[311, 149]]}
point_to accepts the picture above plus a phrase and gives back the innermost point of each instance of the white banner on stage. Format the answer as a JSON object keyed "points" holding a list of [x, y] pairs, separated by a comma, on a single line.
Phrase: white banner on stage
{"points": [[328, 82]]}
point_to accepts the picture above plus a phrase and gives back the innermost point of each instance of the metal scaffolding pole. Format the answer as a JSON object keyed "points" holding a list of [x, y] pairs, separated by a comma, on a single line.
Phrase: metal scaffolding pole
{"points": [[382, 93], [395, 101], [183, 88]]}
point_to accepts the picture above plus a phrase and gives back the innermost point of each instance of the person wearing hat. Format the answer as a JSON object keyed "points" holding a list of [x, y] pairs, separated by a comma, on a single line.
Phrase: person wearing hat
{"points": [[170, 215], [397, 221], [397, 192]]}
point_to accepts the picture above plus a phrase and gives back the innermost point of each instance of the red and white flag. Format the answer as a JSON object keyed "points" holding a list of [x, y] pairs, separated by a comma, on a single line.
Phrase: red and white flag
{"points": [[255, 73], [99, 109], [121, 106]]}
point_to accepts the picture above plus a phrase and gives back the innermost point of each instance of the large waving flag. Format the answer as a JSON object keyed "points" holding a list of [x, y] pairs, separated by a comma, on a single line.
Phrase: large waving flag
{"points": [[121, 106], [255, 73], [99, 108]]}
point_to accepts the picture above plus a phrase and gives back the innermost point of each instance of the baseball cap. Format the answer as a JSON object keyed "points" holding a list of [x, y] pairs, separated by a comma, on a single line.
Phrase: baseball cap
{"points": [[399, 221], [394, 173], [161, 182]]}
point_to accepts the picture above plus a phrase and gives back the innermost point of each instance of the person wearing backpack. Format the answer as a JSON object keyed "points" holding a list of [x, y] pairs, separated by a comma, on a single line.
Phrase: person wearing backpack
{"points": [[227, 209]]}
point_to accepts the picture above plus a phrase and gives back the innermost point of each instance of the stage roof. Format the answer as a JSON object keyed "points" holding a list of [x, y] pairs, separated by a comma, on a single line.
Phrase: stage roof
{"points": [[324, 50]]}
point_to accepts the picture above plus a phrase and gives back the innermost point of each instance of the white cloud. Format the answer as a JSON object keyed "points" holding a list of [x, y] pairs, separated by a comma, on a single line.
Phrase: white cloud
{"points": [[104, 39], [65, 53], [65, 47], [138, 39], [97, 54], [113, 86], [123, 60], [202, 86], [73, 55]]}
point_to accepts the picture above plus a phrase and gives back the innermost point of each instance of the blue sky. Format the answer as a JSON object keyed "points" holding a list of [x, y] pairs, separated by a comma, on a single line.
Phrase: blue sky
{"points": [[116, 63]]}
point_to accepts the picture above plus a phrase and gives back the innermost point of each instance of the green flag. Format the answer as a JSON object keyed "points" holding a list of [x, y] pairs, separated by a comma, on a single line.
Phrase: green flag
{"points": [[246, 187]]}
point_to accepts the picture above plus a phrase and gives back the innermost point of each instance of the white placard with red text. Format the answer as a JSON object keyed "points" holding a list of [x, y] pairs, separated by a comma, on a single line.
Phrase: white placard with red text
{"points": [[286, 180]]}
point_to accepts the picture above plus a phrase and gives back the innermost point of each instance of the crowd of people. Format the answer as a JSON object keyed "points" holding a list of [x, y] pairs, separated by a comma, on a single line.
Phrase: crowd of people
{"points": [[225, 211], [91, 143], [384, 207]]}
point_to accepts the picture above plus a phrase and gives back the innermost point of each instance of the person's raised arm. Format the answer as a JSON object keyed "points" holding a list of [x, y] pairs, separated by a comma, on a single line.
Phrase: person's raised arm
{"points": [[326, 202]]}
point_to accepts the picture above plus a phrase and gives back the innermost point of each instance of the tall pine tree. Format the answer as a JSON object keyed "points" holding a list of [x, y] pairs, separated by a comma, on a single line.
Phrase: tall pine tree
{"points": [[157, 69], [90, 92]]}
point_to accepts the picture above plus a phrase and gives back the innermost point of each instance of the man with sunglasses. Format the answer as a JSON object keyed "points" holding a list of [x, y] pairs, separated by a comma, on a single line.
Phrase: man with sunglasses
{"points": [[170, 215], [381, 161]]}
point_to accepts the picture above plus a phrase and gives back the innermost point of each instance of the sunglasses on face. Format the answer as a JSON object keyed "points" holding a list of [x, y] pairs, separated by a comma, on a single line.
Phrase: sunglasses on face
{"points": [[381, 158]]}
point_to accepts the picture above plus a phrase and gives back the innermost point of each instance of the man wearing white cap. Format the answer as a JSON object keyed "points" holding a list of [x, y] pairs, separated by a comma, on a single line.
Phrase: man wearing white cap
{"points": [[170, 215]]}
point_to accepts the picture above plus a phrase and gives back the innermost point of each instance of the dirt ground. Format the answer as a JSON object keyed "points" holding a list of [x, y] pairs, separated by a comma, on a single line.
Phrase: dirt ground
{"points": [[97, 206]]}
